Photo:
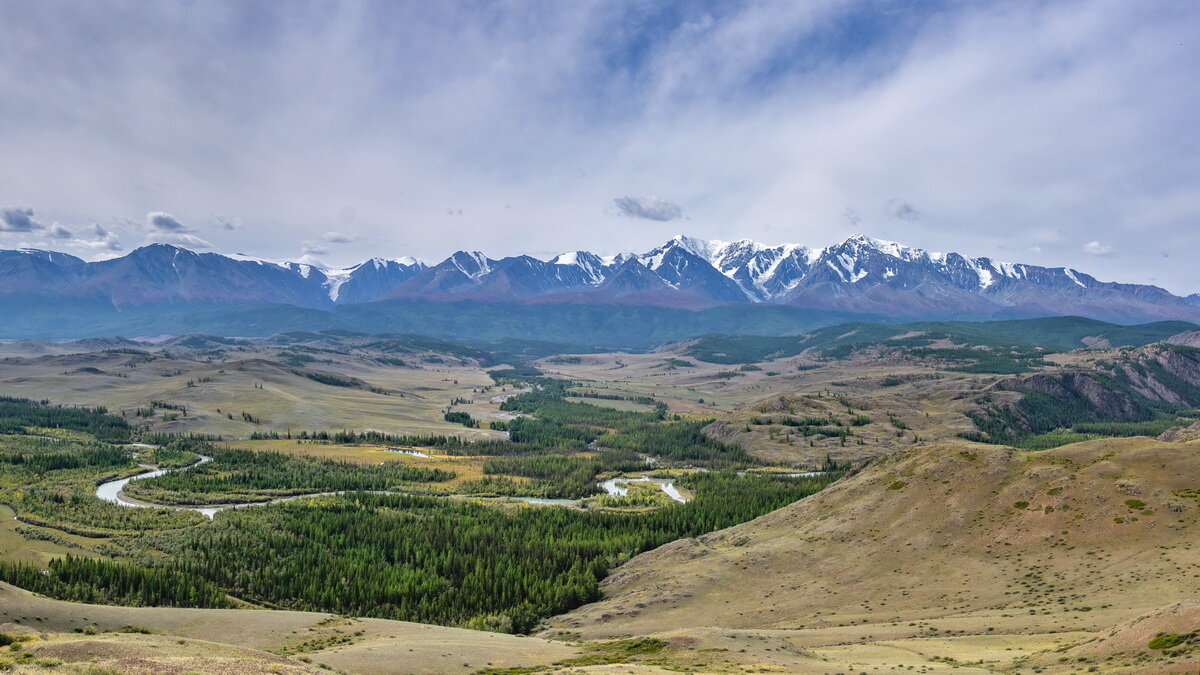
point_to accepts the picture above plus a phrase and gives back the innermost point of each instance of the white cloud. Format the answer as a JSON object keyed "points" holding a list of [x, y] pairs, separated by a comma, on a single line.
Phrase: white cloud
{"points": [[311, 259], [190, 241], [1096, 248], [313, 249], [108, 243]]}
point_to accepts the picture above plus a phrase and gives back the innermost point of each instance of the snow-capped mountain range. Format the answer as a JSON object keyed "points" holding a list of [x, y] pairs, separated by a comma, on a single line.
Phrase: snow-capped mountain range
{"points": [[858, 275]]}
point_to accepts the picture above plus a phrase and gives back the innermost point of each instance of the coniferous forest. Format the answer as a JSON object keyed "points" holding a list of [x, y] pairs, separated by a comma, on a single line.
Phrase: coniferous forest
{"points": [[359, 550]]}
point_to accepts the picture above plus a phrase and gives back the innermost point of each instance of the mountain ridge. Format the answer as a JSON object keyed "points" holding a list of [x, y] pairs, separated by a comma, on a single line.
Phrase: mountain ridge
{"points": [[859, 275]]}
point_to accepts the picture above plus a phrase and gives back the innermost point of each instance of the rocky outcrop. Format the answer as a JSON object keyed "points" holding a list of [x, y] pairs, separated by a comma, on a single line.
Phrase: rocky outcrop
{"points": [[1084, 389], [1134, 387], [1181, 434], [1188, 339]]}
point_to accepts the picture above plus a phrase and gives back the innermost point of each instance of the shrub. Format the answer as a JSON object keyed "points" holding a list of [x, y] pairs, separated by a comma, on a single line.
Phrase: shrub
{"points": [[462, 418], [1166, 641]]}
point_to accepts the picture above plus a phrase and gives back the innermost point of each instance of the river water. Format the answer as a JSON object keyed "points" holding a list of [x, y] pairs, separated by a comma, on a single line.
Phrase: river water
{"points": [[113, 491]]}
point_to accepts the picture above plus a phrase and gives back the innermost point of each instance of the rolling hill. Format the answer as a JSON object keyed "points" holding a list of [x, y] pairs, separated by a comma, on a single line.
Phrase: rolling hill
{"points": [[941, 542], [1061, 333]]}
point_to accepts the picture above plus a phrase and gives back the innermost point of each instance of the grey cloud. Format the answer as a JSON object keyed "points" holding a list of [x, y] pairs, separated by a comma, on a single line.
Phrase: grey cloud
{"points": [[101, 239], [59, 232], [18, 220], [338, 238], [648, 208], [109, 242], [165, 222], [227, 223], [902, 209]]}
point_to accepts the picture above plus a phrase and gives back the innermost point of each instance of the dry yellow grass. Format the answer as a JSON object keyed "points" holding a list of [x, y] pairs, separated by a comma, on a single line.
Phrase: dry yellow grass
{"points": [[466, 468], [1125, 647], [252, 382], [16, 546], [147, 655], [949, 542], [929, 402], [353, 645]]}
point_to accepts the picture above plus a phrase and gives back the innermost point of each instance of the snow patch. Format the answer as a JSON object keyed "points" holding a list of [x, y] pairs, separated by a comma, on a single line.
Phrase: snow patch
{"points": [[335, 279], [841, 274], [242, 257], [482, 263]]}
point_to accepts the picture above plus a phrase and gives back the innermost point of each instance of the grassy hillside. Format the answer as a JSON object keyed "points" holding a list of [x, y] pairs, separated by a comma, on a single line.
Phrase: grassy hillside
{"points": [[247, 641], [948, 541], [1054, 334], [396, 384], [625, 326]]}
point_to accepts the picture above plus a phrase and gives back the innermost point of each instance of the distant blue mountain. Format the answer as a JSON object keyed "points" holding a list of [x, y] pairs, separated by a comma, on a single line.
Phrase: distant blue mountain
{"points": [[859, 276]]}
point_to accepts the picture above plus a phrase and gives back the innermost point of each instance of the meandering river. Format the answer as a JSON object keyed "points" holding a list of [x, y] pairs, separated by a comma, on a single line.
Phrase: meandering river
{"points": [[114, 491]]}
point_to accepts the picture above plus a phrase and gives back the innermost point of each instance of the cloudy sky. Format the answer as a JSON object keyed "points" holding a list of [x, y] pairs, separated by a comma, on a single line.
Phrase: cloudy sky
{"points": [[1057, 133]]}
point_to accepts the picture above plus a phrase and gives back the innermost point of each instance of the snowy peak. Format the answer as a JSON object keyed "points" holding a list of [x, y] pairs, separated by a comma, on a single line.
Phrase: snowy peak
{"points": [[590, 265], [369, 279], [473, 263], [861, 242]]}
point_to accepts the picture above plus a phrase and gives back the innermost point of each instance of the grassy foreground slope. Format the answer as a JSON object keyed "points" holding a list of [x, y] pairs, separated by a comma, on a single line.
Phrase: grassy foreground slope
{"points": [[252, 641], [955, 541]]}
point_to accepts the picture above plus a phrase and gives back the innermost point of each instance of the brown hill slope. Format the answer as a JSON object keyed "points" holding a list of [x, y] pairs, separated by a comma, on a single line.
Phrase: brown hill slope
{"points": [[1162, 641], [254, 641], [951, 539]]}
